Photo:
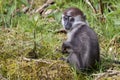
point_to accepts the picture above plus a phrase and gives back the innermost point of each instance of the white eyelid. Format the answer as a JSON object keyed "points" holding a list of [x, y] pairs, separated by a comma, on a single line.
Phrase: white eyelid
{"points": [[63, 21]]}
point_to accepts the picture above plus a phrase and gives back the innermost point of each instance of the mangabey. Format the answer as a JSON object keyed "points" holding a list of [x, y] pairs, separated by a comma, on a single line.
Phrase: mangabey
{"points": [[82, 43]]}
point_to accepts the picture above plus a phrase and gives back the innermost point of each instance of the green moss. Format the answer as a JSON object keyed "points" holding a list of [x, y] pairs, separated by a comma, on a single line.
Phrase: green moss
{"points": [[27, 30]]}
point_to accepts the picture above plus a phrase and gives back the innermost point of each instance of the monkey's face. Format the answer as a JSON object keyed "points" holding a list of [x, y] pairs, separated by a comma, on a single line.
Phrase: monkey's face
{"points": [[67, 22], [71, 17]]}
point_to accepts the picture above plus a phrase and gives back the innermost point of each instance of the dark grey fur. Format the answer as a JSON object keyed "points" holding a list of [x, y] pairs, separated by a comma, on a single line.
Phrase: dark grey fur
{"points": [[83, 48], [82, 43]]}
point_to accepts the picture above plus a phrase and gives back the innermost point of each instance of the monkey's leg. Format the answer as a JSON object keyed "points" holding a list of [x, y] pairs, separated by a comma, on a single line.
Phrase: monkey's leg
{"points": [[74, 61]]}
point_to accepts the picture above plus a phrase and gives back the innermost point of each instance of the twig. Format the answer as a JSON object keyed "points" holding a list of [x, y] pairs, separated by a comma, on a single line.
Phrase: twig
{"points": [[100, 75], [101, 7], [26, 9], [113, 72], [41, 9], [31, 4], [2, 78], [91, 5], [36, 60], [109, 73]]}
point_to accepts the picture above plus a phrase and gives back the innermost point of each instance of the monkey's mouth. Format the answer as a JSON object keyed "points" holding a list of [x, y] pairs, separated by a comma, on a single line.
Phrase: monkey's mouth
{"points": [[67, 28]]}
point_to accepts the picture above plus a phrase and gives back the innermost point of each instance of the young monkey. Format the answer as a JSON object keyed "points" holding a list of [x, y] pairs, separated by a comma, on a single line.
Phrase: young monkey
{"points": [[82, 43]]}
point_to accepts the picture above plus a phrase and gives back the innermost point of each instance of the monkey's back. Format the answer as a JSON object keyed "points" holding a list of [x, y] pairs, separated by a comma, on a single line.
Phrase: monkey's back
{"points": [[86, 46]]}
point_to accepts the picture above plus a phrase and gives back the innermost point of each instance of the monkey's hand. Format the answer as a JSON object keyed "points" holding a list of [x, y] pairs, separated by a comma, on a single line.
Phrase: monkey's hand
{"points": [[66, 47], [64, 59]]}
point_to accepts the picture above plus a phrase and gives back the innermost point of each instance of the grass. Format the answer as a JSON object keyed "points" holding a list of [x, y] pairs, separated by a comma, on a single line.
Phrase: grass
{"points": [[20, 33]]}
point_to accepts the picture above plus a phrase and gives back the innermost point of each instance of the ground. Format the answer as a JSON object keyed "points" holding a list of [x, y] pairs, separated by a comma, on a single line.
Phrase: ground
{"points": [[30, 44]]}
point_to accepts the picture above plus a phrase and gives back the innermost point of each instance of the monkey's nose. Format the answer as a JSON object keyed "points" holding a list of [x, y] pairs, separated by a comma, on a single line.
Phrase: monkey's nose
{"points": [[67, 28]]}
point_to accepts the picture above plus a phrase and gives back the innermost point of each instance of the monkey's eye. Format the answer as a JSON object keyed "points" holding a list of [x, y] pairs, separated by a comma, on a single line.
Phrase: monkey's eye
{"points": [[65, 18], [71, 19]]}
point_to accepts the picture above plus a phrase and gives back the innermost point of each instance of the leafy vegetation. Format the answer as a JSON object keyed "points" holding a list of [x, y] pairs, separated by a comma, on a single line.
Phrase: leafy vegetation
{"points": [[29, 35]]}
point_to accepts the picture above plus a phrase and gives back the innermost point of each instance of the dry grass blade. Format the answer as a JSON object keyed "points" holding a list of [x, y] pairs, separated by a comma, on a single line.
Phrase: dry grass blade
{"points": [[44, 6], [2, 78], [101, 7], [108, 73], [91, 5]]}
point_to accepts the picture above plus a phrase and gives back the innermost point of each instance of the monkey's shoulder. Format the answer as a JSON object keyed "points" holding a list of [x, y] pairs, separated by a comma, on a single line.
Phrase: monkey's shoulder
{"points": [[84, 31]]}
